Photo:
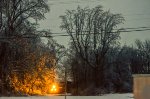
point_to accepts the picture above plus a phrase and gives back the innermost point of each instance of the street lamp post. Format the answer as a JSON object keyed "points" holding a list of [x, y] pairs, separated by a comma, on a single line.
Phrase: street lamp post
{"points": [[65, 83]]}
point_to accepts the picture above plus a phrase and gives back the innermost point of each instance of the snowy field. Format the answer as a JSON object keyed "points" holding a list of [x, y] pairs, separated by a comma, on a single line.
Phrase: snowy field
{"points": [[109, 96]]}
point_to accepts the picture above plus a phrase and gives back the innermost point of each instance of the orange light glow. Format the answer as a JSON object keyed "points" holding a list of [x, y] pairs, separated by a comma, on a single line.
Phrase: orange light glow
{"points": [[54, 88]]}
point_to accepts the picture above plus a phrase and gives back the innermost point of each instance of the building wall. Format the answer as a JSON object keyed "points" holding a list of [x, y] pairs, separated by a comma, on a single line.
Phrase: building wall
{"points": [[141, 86]]}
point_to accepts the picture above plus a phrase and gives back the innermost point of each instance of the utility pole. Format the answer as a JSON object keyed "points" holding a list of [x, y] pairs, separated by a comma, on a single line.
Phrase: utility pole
{"points": [[65, 82]]}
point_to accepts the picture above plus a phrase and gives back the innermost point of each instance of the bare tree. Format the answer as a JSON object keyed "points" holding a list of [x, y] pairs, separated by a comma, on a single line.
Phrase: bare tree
{"points": [[14, 23], [143, 55], [16, 12], [93, 32]]}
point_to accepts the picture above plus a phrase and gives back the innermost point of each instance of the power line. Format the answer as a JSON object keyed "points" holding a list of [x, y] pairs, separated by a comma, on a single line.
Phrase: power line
{"points": [[114, 29], [62, 34], [144, 27], [120, 30], [123, 31], [136, 30]]}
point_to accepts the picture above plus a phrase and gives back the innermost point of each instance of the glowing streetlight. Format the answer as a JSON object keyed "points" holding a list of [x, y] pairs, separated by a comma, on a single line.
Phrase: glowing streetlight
{"points": [[54, 89]]}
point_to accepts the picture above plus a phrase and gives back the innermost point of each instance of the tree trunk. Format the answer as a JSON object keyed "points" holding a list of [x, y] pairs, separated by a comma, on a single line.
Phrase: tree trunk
{"points": [[96, 77], [99, 74]]}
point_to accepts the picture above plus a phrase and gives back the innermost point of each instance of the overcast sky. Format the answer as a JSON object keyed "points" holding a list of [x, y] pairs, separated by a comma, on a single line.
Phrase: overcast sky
{"points": [[136, 13]]}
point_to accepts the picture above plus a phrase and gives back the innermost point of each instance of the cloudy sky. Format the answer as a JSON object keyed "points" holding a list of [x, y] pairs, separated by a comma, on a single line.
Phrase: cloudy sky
{"points": [[136, 13]]}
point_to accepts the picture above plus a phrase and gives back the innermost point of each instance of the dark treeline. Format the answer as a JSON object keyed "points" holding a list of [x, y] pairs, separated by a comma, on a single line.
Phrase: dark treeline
{"points": [[98, 64]]}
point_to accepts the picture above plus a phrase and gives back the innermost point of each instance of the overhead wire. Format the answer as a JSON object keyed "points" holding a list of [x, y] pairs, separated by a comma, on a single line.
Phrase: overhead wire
{"points": [[63, 34]]}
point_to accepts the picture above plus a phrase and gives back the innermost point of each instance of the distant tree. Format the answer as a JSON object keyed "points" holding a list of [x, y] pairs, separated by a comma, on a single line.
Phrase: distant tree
{"points": [[141, 62], [119, 75], [93, 32]]}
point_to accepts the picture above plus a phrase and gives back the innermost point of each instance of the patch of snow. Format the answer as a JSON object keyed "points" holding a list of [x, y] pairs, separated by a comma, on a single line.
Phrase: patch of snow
{"points": [[107, 96]]}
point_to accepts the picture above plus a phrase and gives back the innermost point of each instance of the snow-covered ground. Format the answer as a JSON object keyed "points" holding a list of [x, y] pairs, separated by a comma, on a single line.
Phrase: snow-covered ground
{"points": [[108, 96]]}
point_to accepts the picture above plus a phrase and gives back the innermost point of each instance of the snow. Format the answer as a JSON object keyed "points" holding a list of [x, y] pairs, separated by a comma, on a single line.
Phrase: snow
{"points": [[108, 96]]}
